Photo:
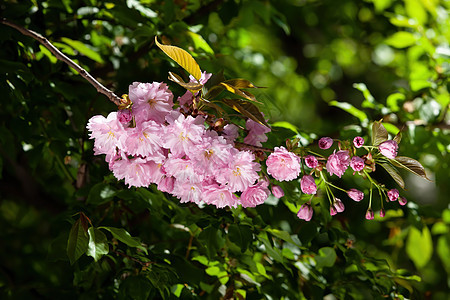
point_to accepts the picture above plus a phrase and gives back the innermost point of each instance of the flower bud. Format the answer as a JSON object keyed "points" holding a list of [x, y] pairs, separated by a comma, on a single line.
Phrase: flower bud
{"points": [[369, 214], [277, 191], [393, 194], [311, 161], [358, 141], [402, 201], [338, 205], [308, 185], [325, 143], [389, 149], [333, 210], [355, 194], [124, 116], [382, 213], [305, 212], [357, 163]]}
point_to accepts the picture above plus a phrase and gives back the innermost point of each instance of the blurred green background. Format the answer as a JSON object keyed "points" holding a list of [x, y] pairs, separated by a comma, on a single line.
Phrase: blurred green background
{"points": [[329, 68]]}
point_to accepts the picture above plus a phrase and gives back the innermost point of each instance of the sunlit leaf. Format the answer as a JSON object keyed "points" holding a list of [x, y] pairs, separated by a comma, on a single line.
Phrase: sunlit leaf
{"points": [[411, 165], [181, 57], [379, 133], [247, 109], [83, 49], [200, 43], [350, 109], [193, 87], [98, 244], [123, 236], [401, 39], [419, 246], [239, 92], [394, 174]]}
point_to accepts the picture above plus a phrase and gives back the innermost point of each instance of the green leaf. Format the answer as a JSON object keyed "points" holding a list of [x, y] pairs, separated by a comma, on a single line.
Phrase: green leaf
{"points": [[410, 165], [247, 109], [326, 258], [284, 235], [419, 246], [200, 43], [443, 250], [78, 241], [98, 244], [135, 287], [83, 49], [369, 100], [193, 87], [273, 252], [394, 174], [100, 193], [401, 39], [212, 240], [379, 133], [350, 109], [241, 235], [181, 57], [123, 236]]}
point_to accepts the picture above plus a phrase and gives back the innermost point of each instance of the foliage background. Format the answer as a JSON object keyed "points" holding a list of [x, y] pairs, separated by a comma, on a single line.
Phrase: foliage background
{"points": [[309, 54]]}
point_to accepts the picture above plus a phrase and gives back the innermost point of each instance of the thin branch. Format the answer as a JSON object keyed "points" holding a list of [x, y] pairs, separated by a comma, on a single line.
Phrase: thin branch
{"points": [[62, 57]]}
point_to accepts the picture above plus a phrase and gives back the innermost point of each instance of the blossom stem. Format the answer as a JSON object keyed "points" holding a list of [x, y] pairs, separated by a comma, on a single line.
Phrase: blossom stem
{"points": [[329, 183], [62, 57]]}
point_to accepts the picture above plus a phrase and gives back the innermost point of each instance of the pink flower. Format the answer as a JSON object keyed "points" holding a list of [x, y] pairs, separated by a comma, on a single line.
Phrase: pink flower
{"points": [[393, 194], [106, 132], [338, 205], [181, 169], [305, 212], [355, 194], [277, 191], [230, 132], [389, 149], [357, 163], [136, 172], [188, 191], [338, 162], [308, 185], [220, 196], [166, 184], [144, 140], [325, 143], [241, 171], [402, 201], [369, 214], [311, 161], [283, 165], [212, 154], [186, 99], [256, 134], [183, 134], [151, 101], [255, 195], [382, 213], [358, 142]]}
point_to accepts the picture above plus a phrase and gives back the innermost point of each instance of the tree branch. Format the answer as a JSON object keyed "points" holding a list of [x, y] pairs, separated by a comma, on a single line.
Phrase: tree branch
{"points": [[62, 57]]}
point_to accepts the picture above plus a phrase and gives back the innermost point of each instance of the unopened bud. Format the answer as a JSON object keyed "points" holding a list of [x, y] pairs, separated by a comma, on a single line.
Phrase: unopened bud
{"points": [[382, 213], [402, 201], [369, 214]]}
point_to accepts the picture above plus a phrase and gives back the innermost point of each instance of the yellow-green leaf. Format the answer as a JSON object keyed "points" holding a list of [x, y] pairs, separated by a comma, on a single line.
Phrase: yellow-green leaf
{"points": [[401, 39], [193, 87], [181, 57], [83, 49], [237, 91]]}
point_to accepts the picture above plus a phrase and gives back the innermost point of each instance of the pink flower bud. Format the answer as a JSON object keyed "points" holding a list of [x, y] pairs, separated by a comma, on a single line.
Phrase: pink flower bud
{"points": [[382, 213], [124, 116], [308, 185], [389, 149], [325, 143], [333, 210], [357, 163], [338, 205], [358, 141], [305, 212], [355, 194], [369, 214], [402, 201], [277, 191], [393, 194], [311, 161]]}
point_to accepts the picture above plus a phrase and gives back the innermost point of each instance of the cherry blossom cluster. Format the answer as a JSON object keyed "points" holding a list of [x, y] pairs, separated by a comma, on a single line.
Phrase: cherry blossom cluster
{"points": [[157, 142], [193, 155]]}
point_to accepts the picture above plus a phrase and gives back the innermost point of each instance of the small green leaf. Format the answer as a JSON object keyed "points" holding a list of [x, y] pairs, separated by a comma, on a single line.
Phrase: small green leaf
{"points": [[284, 235], [419, 246], [212, 239], [401, 39], [410, 165], [394, 174], [83, 49], [78, 241], [200, 43], [350, 109], [123, 236], [247, 109], [181, 57], [98, 244], [379, 133], [326, 258]]}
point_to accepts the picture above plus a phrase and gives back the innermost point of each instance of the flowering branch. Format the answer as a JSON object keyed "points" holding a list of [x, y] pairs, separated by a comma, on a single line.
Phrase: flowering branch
{"points": [[62, 57]]}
